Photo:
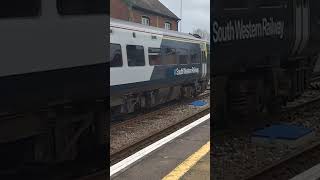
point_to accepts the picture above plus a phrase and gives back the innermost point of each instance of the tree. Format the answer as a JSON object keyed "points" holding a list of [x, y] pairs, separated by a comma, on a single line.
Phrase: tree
{"points": [[203, 33], [130, 4]]}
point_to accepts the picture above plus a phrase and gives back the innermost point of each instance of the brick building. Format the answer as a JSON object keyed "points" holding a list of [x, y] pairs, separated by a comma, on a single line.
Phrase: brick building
{"points": [[148, 12]]}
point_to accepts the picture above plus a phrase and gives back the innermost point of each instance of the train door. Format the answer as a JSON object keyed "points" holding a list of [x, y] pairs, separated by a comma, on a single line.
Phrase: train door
{"points": [[203, 60], [208, 59]]}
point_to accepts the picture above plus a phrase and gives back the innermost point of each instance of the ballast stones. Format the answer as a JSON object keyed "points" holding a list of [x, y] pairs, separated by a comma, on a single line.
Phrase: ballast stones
{"points": [[282, 135]]}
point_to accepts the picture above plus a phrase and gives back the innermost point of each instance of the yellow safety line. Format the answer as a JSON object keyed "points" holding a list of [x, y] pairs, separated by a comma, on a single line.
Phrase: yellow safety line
{"points": [[185, 166]]}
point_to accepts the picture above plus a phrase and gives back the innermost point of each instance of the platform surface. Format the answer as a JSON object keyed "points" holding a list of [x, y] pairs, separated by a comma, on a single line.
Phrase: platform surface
{"points": [[200, 171], [311, 174], [163, 161]]}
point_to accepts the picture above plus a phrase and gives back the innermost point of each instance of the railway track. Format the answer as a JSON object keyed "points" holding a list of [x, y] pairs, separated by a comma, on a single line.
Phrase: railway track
{"points": [[295, 162], [153, 111], [143, 142], [315, 85], [301, 105], [290, 166], [155, 136], [315, 81]]}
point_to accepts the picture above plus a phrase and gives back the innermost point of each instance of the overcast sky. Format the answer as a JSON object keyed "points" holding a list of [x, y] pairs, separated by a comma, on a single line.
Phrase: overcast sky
{"points": [[195, 13]]}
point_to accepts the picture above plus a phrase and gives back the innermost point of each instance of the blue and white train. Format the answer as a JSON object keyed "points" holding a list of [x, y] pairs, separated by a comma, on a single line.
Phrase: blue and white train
{"points": [[150, 66]]}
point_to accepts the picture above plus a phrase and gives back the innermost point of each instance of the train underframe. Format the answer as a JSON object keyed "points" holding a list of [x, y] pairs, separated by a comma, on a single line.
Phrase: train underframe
{"points": [[52, 117], [246, 95], [54, 135], [134, 102]]}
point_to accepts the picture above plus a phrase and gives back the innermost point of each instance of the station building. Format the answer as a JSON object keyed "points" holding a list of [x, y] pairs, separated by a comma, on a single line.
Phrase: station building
{"points": [[147, 12]]}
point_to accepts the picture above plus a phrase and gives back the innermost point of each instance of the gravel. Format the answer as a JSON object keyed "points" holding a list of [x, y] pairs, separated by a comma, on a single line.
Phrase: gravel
{"points": [[305, 97], [235, 157], [131, 132]]}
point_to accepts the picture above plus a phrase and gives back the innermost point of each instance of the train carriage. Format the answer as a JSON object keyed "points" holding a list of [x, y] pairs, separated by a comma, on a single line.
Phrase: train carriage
{"points": [[274, 45], [53, 80], [150, 66]]}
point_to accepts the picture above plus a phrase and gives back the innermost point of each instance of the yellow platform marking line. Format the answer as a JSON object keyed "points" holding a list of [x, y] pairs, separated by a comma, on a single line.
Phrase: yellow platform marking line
{"points": [[185, 166]]}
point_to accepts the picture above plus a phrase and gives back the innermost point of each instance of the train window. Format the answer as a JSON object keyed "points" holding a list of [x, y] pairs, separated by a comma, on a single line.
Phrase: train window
{"points": [[183, 55], [169, 55], [135, 55], [19, 8], [154, 56], [195, 57], [77, 7], [115, 55]]}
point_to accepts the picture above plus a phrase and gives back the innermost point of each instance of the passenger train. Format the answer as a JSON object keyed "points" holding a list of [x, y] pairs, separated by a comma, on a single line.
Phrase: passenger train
{"points": [[150, 66], [53, 80], [265, 52]]}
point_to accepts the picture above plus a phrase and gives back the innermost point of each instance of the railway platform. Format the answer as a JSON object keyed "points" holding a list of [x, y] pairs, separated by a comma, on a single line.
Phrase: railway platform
{"points": [[311, 174], [185, 157]]}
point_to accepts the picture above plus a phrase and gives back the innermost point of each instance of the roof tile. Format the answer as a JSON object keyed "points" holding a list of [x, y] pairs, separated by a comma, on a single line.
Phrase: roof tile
{"points": [[154, 6]]}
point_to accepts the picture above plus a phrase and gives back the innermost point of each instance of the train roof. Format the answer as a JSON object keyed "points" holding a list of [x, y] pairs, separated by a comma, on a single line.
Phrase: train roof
{"points": [[150, 29]]}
